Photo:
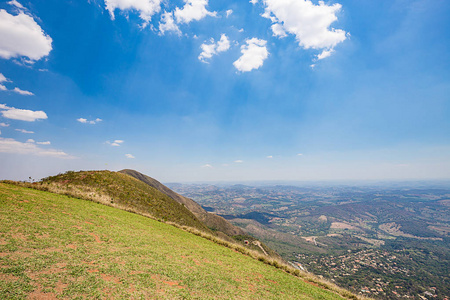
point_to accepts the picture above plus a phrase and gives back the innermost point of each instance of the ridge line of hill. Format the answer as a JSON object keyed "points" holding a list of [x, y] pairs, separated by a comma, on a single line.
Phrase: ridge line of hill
{"points": [[103, 187]]}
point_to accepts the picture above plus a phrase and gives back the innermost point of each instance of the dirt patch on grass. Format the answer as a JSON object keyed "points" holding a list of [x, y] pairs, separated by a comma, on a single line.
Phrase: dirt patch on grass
{"points": [[72, 246], [110, 278], [93, 271], [8, 277], [96, 237], [39, 295]]}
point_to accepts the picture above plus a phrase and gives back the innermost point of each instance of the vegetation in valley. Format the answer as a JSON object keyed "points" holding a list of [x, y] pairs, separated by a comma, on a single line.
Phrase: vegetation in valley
{"points": [[382, 241]]}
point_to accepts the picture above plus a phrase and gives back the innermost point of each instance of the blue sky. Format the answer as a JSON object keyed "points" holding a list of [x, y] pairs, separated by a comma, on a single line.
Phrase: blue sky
{"points": [[202, 90]]}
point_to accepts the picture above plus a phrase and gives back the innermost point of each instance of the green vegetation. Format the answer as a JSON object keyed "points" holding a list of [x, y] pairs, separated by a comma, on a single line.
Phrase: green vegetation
{"points": [[55, 245], [214, 222], [121, 191], [384, 242]]}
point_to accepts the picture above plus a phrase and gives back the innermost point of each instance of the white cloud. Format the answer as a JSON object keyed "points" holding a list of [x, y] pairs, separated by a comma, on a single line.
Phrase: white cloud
{"points": [[85, 121], [16, 4], [24, 131], [4, 125], [278, 30], [229, 12], [193, 10], [22, 92], [20, 35], [270, 156], [300, 154], [309, 23], [208, 50], [253, 55], [39, 143], [253, 1], [168, 24], [8, 145], [207, 166], [325, 53], [115, 143], [146, 8], [238, 161], [129, 156], [22, 114], [3, 78]]}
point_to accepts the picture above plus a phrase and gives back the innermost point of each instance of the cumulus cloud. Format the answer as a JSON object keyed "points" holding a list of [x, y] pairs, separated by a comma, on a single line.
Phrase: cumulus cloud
{"points": [[115, 143], [21, 36], [278, 30], [309, 23], [129, 156], [22, 92], [253, 1], [168, 23], [228, 12], [8, 145], [86, 121], [253, 55], [4, 125], [16, 4], [22, 114], [145, 8], [208, 50], [193, 10], [24, 131]]}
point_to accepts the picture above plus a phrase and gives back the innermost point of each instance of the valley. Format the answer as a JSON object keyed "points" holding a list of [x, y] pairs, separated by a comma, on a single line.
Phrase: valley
{"points": [[384, 241]]}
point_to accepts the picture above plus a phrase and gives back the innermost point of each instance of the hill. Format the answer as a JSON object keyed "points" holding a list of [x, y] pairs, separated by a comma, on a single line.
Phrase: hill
{"points": [[215, 222], [120, 191], [53, 245]]}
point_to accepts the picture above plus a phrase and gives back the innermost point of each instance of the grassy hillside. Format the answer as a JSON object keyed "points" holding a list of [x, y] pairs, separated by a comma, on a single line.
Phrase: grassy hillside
{"points": [[221, 227], [57, 246], [121, 191], [215, 222]]}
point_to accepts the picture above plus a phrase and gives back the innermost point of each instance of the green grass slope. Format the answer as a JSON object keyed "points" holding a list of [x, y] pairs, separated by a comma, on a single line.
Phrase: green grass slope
{"points": [[213, 221], [54, 246], [221, 227], [121, 191]]}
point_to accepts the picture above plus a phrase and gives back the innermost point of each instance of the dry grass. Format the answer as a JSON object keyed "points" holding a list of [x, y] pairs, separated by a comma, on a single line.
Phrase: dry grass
{"points": [[92, 194]]}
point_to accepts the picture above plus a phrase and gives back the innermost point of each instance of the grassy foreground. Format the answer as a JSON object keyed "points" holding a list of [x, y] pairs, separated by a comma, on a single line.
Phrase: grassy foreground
{"points": [[55, 246]]}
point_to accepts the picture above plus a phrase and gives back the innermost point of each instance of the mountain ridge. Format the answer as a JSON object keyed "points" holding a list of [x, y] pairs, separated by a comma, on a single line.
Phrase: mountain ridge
{"points": [[213, 221]]}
